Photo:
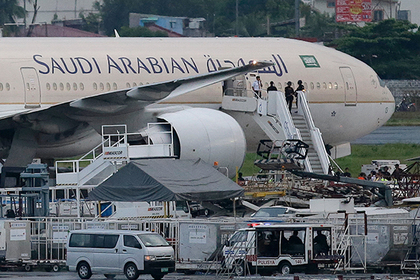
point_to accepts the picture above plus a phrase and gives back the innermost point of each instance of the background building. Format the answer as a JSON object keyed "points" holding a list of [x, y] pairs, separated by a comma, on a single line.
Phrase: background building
{"points": [[410, 9], [50, 10], [175, 26], [381, 9]]}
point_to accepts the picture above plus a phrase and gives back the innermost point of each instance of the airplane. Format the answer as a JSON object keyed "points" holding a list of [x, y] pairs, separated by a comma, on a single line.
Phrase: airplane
{"points": [[56, 93]]}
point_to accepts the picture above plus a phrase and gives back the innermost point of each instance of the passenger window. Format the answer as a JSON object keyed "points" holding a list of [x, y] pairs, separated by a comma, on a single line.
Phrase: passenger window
{"points": [[54, 86], [268, 243], [1, 87], [108, 86], [105, 241], [61, 86], [81, 86], [7, 86], [114, 86], [95, 86], [68, 87], [48, 86], [312, 85], [81, 240], [74, 86], [335, 86], [131, 241]]}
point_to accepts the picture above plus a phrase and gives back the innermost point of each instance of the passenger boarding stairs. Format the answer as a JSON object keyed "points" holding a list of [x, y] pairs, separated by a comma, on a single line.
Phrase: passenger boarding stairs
{"points": [[114, 152], [272, 115]]}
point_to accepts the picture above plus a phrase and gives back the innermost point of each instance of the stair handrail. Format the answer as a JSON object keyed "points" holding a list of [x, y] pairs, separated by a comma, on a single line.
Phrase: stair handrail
{"points": [[315, 132], [284, 116], [89, 157]]}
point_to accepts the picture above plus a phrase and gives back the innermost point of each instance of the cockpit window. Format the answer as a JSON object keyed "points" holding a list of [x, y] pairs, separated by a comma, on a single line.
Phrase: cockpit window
{"points": [[381, 82]]}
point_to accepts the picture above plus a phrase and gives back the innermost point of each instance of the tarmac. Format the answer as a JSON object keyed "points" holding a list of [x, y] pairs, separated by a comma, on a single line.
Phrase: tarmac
{"points": [[65, 275]]}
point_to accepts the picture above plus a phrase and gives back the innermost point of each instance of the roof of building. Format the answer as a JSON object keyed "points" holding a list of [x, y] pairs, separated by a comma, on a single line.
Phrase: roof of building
{"points": [[49, 30]]}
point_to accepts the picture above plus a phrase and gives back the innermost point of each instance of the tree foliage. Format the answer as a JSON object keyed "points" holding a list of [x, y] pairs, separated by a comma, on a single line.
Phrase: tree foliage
{"points": [[140, 32], [220, 14], [9, 9], [391, 47]]}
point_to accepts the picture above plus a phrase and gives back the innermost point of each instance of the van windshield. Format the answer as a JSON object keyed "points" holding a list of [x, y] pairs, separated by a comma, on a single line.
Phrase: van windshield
{"points": [[153, 240]]}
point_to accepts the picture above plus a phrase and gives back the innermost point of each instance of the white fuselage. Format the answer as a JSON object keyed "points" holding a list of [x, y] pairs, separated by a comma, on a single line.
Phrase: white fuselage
{"points": [[346, 98]]}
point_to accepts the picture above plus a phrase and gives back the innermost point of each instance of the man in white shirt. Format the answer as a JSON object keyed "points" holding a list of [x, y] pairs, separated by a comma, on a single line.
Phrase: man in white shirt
{"points": [[257, 86]]}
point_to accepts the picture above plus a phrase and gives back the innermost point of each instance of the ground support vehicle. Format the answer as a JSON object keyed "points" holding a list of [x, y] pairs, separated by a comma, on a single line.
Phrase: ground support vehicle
{"points": [[119, 251], [269, 249], [23, 246]]}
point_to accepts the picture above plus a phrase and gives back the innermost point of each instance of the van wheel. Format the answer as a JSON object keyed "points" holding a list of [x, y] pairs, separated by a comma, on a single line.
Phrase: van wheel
{"points": [[131, 271], [56, 268], [83, 269], [157, 276], [239, 268], [27, 267], [285, 268]]}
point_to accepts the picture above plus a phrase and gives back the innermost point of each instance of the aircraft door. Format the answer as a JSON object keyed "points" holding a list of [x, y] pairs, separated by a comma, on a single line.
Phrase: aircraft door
{"points": [[350, 89], [31, 87], [235, 86]]}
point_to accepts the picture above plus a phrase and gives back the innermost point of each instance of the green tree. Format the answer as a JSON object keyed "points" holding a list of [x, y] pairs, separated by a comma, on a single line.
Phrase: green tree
{"points": [[140, 32], [323, 26], [390, 47], [9, 10], [92, 21], [220, 14]]}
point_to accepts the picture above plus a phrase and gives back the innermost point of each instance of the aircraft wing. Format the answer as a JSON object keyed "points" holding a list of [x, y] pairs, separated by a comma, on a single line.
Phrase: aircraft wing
{"points": [[63, 116]]}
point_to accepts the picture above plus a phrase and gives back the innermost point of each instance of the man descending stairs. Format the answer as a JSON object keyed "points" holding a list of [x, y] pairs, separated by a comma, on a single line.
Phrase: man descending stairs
{"points": [[274, 118]]}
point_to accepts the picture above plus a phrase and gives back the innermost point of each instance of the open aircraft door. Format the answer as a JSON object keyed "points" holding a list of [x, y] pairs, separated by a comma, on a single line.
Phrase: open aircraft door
{"points": [[350, 88], [32, 87]]}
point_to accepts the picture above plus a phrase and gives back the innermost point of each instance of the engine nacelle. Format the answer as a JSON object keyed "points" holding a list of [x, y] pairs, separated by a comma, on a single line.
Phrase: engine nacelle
{"points": [[208, 134]]}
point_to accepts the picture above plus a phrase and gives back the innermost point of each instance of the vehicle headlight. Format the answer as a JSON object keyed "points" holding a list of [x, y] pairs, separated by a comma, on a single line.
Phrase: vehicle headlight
{"points": [[149, 258], [172, 257]]}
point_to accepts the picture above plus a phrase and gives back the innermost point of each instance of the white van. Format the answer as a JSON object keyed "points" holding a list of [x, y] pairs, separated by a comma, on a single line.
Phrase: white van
{"points": [[113, 252]]}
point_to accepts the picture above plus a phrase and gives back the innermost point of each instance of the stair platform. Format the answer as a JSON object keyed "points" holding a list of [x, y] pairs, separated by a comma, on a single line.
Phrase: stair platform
{"points": [[278, 164]]}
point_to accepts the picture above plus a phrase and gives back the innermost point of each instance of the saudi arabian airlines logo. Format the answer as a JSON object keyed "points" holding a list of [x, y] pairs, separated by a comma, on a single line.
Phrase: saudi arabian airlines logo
{"points": [[309, 61]]}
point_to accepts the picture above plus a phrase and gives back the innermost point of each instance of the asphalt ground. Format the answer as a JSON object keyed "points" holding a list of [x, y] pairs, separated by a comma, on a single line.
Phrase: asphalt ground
{"points": [[390, 135], [65, 275]]}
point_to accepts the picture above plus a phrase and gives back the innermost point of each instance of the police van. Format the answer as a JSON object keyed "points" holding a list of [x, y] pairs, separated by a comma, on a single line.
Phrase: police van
{"points": [[114, 252], [281, 248]]}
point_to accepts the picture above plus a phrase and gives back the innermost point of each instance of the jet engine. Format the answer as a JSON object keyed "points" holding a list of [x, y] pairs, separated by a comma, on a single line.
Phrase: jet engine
{"points": [[208, 134]]}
